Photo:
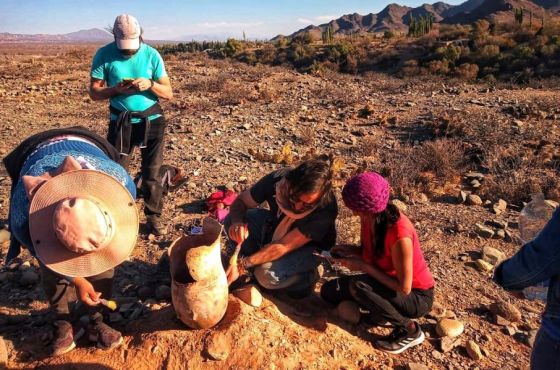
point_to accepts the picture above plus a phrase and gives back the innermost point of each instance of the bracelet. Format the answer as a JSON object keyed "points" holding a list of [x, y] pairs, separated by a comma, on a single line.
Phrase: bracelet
{"points": [[245, 264], [151, 83]]}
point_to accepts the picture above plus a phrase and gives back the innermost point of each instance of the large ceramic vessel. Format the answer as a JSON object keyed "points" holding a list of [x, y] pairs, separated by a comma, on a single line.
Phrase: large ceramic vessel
{"points": [[199, 285]]}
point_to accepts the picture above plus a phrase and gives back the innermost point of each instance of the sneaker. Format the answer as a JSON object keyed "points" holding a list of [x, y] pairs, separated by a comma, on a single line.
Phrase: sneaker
{"points": [[64, 338], [105, 336], [156, 226], [400, 339]]}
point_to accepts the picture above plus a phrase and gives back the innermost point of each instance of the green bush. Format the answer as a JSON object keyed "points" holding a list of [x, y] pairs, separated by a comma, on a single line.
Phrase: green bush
{"points": [[389, 34], [233, 47]]}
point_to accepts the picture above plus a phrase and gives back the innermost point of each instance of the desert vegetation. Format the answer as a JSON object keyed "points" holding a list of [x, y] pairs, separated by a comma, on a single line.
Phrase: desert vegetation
{"points": [[514, 50]]}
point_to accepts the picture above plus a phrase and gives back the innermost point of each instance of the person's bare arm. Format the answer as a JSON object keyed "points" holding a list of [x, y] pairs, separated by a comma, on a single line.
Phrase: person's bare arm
{"points": [[402, 261], [98, 89], [162, 88], [237, 211], [275, 250]]}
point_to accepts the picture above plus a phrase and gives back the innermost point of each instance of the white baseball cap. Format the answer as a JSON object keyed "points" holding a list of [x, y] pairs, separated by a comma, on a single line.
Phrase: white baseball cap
{"points": [[127, 32]]}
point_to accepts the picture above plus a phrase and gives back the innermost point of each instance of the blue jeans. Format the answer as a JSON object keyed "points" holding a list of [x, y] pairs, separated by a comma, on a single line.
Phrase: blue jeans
{"points": [[295, 271], [546, 352]]}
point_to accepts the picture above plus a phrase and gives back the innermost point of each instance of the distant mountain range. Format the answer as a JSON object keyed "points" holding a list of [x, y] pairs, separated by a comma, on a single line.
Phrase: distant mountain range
{"points": [[397, 17], [393, 18], [91, 35]]}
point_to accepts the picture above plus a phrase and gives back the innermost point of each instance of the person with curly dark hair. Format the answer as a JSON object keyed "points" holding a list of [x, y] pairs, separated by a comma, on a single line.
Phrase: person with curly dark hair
{"points": [[278, 244], [395, 284]]}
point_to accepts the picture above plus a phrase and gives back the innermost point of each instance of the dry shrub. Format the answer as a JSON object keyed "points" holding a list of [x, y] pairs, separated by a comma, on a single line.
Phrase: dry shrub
{"points": [[307, 135], [447, 126], [235, 93], [267, 94], [209, 84], [401, 170], [410, 169], [338, 95], [515, 173], [467, 71], [368, 146], [442, 157]]}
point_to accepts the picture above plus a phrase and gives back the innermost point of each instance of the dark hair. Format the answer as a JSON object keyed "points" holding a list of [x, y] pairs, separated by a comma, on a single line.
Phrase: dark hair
{"points": [[384, 220], [311, 176]]}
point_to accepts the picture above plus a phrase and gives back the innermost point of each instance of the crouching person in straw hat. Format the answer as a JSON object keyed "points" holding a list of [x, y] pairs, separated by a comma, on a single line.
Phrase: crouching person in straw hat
{"points": [[278, 245], [72, 206]]}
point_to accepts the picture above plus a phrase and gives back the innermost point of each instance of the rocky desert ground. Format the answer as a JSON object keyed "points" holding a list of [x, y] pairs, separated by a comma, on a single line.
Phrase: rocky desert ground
{"points": [[229, 124]]}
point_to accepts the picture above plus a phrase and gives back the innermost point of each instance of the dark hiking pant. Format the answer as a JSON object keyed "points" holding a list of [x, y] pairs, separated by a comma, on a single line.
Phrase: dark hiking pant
{"points": [[152, 159], [383, 303], [546, 352], [61, 294], [295, 272]]}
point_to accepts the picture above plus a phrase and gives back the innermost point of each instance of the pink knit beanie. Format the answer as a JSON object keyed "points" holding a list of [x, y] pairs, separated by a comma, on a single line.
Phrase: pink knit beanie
{"points": [[366, 192]]}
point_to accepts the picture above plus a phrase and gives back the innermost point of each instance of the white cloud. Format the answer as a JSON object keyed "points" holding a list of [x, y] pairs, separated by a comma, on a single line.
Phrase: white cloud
{"points": [[228, 25], [316, 20]]}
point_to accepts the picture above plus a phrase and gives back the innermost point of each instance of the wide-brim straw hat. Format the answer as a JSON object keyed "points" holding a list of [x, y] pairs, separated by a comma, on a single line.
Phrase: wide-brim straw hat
{"points": [[95, 186]]}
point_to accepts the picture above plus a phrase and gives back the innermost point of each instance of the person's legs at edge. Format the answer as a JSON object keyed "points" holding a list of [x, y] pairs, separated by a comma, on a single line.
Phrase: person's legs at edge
{"points": [[546, 352], [394, 307], [57, 290]]}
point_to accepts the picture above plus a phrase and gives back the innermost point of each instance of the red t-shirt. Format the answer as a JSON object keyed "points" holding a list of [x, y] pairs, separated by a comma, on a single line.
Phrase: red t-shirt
{"points": [[403, 228]]}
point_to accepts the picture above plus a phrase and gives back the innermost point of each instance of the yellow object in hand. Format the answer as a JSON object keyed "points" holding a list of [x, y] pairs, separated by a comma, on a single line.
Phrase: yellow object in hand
{"points": [[112, 305]]}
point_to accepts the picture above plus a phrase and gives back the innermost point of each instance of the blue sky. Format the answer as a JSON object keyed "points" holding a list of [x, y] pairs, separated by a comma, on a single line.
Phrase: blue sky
{"points": [[176, 19]]}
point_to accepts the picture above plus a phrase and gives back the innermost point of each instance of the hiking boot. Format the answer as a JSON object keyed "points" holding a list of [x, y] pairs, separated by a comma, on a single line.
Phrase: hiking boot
{"points": [[105, 336], [400, 339], [155, 225], [64, 338]]}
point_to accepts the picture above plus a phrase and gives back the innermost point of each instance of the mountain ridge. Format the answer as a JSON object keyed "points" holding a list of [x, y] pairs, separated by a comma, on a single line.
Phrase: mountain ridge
{"points": [[395, 17]]}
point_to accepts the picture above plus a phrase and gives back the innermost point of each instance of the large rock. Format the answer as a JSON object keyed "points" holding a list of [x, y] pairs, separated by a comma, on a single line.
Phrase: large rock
{"points": [[474, 350], [483, 265], [492, 255], [462, 197], [484, 231], [505, 310], [218, 346], [446, 344], [250, 295], [449, 328], [474, 200], [349, 311], [437, 311], [416, 366], [499, 207]]}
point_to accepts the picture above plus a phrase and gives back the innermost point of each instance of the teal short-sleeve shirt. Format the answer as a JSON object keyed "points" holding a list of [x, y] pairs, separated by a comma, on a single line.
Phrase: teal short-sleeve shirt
{"points": [[112, 67]]}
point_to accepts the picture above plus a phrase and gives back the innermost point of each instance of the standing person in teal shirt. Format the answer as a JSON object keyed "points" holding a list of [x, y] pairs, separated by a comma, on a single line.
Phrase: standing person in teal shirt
{"points": [[131, 74]]}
